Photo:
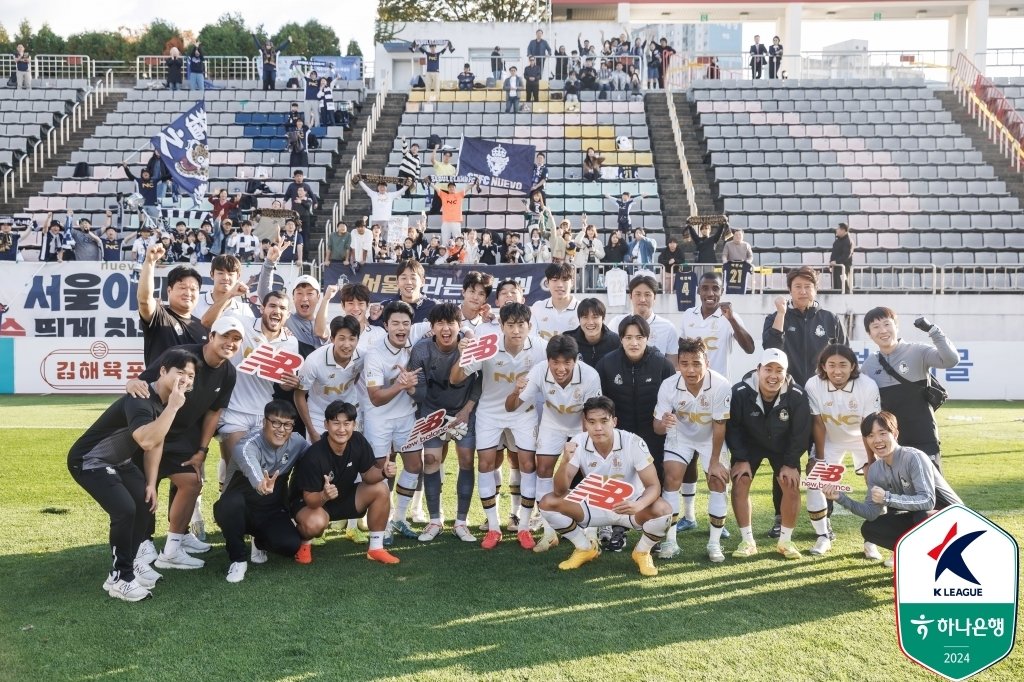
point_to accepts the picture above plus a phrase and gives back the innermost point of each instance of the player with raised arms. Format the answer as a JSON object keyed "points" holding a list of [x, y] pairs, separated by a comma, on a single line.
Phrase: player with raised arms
{"points": [[692, 410], [563, 384], [616, 456]]}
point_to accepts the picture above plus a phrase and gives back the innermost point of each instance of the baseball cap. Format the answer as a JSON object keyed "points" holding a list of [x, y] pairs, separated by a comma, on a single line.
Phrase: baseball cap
{"points": [[775, 355], [306, 279], [226, 324]]}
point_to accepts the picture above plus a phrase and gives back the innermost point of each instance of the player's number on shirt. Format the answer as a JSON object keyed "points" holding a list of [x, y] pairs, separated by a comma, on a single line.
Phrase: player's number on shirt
{"points": [[736, 276]]}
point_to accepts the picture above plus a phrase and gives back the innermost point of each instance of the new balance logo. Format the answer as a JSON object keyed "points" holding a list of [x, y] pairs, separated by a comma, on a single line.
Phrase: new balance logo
{"points": [[480, 349], [426, 428], [598, 491], [825, 475], [270, 364]]}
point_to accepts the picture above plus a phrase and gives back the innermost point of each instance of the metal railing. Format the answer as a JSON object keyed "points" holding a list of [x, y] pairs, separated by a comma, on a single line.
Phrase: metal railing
{"points": [[976, 92], [63, 66], [591, 277], [150, 68], [981, 278], [932, 65], [1002, 62], [684, 167]]}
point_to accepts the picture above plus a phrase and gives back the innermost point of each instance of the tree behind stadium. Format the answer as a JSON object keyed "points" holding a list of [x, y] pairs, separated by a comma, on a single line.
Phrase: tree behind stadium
{"points": [[391, 13]]}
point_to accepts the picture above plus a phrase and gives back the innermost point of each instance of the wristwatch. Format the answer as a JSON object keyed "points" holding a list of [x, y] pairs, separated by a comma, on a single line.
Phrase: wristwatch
{"points": [[205, 449]]}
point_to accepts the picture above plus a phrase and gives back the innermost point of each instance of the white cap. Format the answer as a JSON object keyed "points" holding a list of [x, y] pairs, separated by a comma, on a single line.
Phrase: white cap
{"points": [[775, 355], [306, 279], [227, 323]]}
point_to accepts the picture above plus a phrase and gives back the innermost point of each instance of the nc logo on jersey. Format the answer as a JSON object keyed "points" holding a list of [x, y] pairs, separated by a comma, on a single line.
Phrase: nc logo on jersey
{"points": [[956, 582], [852, 404], [704, 402], [617, 380]]}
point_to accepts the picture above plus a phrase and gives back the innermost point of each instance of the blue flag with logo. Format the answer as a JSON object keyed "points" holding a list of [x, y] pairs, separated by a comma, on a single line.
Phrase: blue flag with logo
{"points": [[501, 165], [182, 147]]}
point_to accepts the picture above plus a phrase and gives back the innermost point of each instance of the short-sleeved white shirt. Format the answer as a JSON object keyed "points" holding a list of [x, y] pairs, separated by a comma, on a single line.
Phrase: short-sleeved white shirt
{"points": [[843, 409], [562, 405], [238, 307], [325, 381], [664, 335], [381, 367], [629, 456], [695, 414], [252, 393], [547, 321], [500, 374], [717, 333]]}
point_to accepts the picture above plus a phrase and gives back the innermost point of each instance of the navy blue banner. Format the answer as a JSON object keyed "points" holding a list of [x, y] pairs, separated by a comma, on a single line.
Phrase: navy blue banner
{"points": [[500, 165], [182, 147], [443, 282]]}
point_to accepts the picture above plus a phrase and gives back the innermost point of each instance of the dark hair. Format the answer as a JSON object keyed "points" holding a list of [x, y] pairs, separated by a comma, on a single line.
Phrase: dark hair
{"points": [[515, 312], [709, 275], [183, 272], [697, 345], [274, 294], [642, 280], [879, 313], [844, 226], [637, 321], [225, 262], [599, 402], [508, 282], [590, 306], [887, 420], [355, 292], [841, 350], [559, 271], [345, 322], [340, 407], [475, 277], [410, 264], [178, 358], [805, 272], [444, 312], [280, 408], [562, 346], [397, 307]]}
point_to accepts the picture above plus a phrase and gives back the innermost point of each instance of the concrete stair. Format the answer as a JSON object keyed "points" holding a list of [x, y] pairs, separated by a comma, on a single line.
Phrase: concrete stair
{"points": [[376, 159]]}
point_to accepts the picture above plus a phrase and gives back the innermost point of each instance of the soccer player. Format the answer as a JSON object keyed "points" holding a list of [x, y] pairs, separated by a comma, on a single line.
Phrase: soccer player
{"points": [[475, 312], [592, 335], [903, 488], [692, 409], [355, 301], [557, 314], [563, 384], [770, 419], [167, 326], [432, 359], [229, 295], [902, 378], [411, 278], [840, 398], [101, 462], [643, 290], [255, 499], [716, 323], [340, 478], [308, 320], [331, 372], [518, 353], [615, 455]]}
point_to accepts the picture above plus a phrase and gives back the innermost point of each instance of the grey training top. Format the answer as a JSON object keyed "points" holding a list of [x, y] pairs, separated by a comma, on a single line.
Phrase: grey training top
{"points": [[434, 391], [911, 481], [913, 360], [253, 455]]}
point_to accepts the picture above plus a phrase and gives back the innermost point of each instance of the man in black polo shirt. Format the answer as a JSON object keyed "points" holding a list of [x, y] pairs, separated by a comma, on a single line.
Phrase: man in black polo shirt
{"points": [[166, 326], [101, 462]]}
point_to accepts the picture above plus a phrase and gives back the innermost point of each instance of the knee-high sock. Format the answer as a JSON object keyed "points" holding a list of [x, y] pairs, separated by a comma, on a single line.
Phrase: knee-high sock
{"points": [[817, 509], [654, 532], [567, 528], [464, 490], [529, 489], [404, 489], [514, 489], [488, 498], [417, 497], [432, 491], [689, 493], [544, 486], [673, 501], [717, 509]]}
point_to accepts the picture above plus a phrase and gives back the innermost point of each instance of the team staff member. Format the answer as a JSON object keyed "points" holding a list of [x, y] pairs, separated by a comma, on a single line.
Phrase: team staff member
{"points": [[593, 336], [901, 379], [101, 462], [255, 499], [801, 329], [167, 326], [903, 489], [339, 478], [769, 419]]}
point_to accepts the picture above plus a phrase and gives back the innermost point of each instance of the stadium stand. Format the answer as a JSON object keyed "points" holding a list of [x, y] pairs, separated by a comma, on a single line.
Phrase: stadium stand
{"points": [[28, 116]]}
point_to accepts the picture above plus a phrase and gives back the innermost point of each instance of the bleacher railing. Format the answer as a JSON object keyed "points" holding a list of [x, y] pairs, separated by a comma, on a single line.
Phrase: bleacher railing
{"points": [[1002, 62], [62, 66], [684, 167], [153, 68], [993, 113], [981, 278]]}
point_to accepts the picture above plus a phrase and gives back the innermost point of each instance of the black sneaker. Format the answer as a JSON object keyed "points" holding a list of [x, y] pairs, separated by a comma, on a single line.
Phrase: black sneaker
{"points": [[616, 541], [776, 530]]}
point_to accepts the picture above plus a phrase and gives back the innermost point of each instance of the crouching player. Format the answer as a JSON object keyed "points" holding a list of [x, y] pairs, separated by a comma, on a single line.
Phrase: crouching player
{"points": [[339, 479], [615, 456], [254, 501], [692, 410]]}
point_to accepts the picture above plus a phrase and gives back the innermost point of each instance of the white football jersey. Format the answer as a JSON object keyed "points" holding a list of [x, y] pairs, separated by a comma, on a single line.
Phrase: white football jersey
{"points": [[252, 393], [716, 332], [695, 414], [500, 374], [843, 410], [325, 381], [380, 369], [546, 321], [562, 405], [238, 307], [664, 335], [629, 456]]}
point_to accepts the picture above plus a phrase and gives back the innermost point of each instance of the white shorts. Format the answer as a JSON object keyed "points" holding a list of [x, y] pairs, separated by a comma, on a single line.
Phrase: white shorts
{"points": [[233, 421], [837, 455], [450, 231], [517, 432], [683, 453], [605, 517], [552, 441], [389, 435]]}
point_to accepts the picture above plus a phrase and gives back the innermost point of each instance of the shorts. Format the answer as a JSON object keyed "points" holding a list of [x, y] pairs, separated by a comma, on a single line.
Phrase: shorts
{"points": [[233, 421], [683, 453], [170, 464], [605, 517], [652, 73], [551, 441], [339, 509], [516, 432], [467, 441], [755, 463], [388, 435]]}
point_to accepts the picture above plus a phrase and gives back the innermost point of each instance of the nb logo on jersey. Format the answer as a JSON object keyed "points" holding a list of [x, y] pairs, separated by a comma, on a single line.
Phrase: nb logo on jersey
{"points": [[270, 364], [841, 420], [599, 491]]}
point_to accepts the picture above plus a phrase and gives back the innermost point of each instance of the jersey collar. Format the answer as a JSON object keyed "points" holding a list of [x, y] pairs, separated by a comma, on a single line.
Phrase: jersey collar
{"points": [[577, 376]]}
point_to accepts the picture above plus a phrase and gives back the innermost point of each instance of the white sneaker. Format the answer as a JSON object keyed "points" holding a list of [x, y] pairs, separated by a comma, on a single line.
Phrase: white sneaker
{"points": [[669, 549], [821, 546], [549, 540], [236, 571], [430, 532], [871, 552], [147, 553], [461, 531], [890, 561], [257, 555], [128, 591], [145, 575], [179, 559], [193, 545], [715, 553]]}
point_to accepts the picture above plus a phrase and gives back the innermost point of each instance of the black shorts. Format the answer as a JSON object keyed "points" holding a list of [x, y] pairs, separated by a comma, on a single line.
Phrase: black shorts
{"points": [[339, 509], [170, 464], [755, 463]]}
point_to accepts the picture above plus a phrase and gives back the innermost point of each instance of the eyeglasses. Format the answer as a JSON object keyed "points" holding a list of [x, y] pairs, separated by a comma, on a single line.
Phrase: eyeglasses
{"points": [[277, 425]]}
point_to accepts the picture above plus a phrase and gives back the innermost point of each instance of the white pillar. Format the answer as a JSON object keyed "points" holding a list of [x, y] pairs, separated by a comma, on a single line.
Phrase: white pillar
{"points": [[622, 14], [977, 32], [792, 21], [957, 39]]}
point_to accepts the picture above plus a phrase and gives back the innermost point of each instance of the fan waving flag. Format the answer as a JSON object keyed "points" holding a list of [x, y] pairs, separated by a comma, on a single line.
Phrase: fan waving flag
{"points": [[498, 164], [182, 147]]}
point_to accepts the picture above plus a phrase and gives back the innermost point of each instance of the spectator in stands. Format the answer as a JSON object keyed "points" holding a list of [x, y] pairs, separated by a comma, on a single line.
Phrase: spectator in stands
{"points": [[339, 243], [299, 141], [228, 245], [533, 76], [111, 245], [616, 250], [22, 61], [410, 165], [514, 254], [244, 244], [269, 54], [512, 86], [146, 186], [312, 100], [624, 205], [572, 88], [294, 115], [841, 260], [619, 81], [87, 244], [561, 64], [714, 71], [432, 77], [588, 76], [775, 58], [540, 174], [487, 252], [665, 54], [559, 241], [203, 247], [451, 210], [604, 78], [325, 96], [291, 244], [381, 252], [758, 54], [381, 201], [589, 248], [497, 64], [635, 82], [592, 165], [641, 248], [361, 249], [466, 78], [197, 68], [457, 251], [223, 207], [9, 239], [433, 254], [537, 50], [299, 181], [585, 48], [158, 169], [671, 258], [652, 60], [736, 250], [704, 242], [174, 66]]}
